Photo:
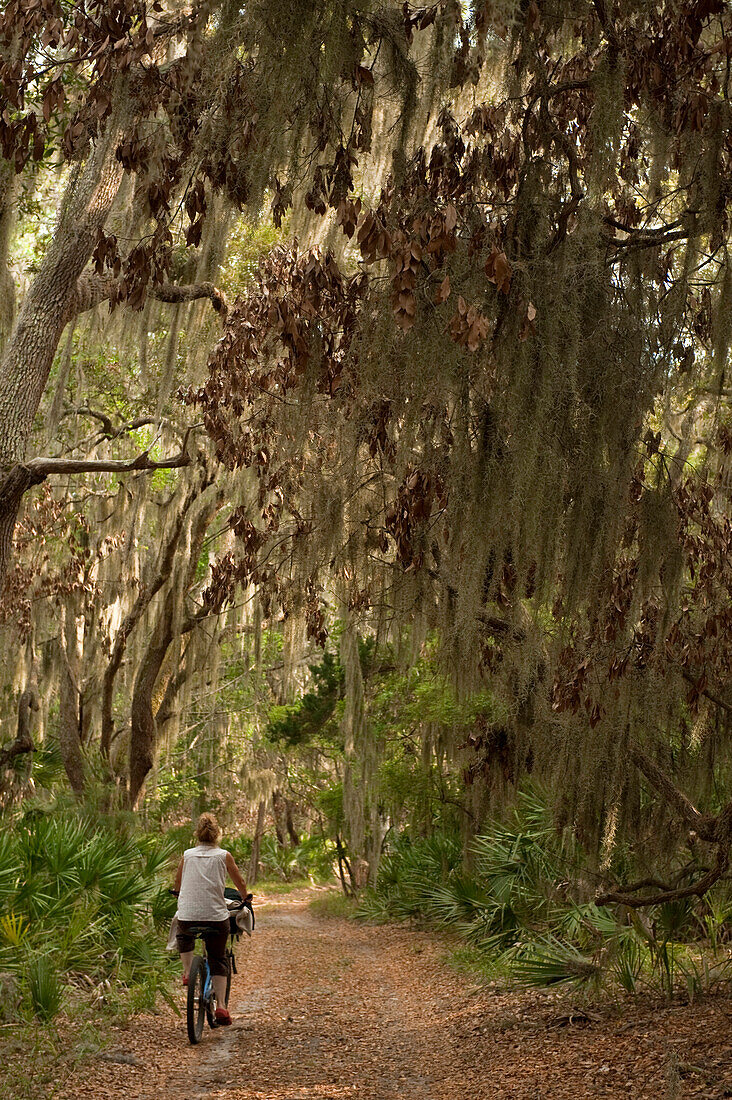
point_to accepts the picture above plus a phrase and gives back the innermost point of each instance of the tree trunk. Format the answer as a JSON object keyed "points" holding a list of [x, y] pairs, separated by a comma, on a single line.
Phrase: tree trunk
{"points": [[13, 485], [43, 315], [344, 865], [143, 734], [277, 814], [131, 620], [23, 742], [143, 737], [257, 843], [8, 189], [289, 824], [69, 729]]}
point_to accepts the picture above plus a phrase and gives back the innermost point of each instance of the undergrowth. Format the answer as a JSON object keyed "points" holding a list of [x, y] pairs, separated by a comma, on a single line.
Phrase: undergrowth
{"points": [[333, 904], [311, 860], [523, 905], [83, 913]]}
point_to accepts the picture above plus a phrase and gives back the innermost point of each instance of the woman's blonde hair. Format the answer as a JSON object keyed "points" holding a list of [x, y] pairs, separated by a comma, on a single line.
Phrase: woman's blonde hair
{"points": [[208, 829]]}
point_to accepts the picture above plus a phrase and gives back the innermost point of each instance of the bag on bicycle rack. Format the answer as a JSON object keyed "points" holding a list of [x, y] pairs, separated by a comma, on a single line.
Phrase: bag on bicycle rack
{"points": [[240, 920]]}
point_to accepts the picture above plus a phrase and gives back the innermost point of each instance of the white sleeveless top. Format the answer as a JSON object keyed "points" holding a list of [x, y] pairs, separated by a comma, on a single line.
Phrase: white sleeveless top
{"points": [[202, 886]]}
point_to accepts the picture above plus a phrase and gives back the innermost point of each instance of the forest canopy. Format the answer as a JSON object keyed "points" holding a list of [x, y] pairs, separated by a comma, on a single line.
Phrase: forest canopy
{"points": [[365, 417]]}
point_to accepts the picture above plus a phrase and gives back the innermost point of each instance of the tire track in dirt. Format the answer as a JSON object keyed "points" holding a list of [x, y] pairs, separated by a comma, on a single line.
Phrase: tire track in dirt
{"points": [[325, 1009]]}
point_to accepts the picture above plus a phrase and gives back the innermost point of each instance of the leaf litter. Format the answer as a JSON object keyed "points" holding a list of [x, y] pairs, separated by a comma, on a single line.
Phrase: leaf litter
{"points": [[326, 1009]]}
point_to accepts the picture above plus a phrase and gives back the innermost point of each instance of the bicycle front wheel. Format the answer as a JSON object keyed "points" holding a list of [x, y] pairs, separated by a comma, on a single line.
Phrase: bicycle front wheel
{"points": [[196, 1008]]}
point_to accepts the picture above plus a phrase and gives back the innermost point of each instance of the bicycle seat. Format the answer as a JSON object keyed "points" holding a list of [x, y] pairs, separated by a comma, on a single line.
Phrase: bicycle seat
{"points": [[200, 930]]}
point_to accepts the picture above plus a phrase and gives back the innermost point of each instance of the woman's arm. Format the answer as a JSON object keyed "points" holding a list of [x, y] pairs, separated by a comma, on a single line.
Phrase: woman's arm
{"points": [[235, 875], [178, 878]]}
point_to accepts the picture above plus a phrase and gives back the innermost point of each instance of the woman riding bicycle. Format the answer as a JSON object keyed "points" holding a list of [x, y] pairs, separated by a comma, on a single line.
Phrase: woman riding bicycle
{"points": [[199, 883]]}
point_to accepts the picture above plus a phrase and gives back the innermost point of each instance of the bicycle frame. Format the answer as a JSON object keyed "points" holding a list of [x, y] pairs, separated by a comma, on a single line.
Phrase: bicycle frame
{"points": [[207, 982]]}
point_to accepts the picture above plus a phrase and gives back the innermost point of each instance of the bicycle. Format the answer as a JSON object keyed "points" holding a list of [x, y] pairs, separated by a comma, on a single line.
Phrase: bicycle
{"points": [[201, 997], [201, 1000]]}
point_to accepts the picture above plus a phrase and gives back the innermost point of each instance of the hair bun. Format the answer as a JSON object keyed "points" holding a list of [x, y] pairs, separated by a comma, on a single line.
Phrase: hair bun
{"points": [[208, 829]]}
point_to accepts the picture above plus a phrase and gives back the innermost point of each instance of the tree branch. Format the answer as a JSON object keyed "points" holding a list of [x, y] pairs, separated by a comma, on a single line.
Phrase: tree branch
{"points": [[695, 890], [168, 292], [93, 289], [703, 824], [500, 627], [710, 695], [715, 829], [40, 468], [23, 741], [108, 430]]}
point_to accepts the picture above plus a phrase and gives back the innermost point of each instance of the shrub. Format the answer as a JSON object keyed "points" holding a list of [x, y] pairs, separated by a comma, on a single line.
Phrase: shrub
{"points": [[45, 986], [525, 906], [83, 903]]}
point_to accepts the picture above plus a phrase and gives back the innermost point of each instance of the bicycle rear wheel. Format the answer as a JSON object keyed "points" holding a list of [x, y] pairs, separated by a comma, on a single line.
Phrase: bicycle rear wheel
{"points": [[196, 1008]]}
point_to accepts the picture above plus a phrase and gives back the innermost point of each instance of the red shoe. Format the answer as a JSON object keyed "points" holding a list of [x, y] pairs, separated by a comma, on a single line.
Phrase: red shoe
{"points": [[222, 1017], [185, 979]]}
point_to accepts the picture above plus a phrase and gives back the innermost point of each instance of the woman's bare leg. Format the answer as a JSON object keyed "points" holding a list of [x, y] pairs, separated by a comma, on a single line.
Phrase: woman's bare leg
{"points": [[186, 957]]}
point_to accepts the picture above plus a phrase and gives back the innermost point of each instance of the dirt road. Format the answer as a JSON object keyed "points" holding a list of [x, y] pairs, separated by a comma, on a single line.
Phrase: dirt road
{"points": [[325, 1009]]}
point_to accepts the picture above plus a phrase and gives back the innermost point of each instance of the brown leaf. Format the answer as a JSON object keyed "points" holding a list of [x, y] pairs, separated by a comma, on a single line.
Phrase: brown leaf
{"points": [[498, 270], [443, 291]]}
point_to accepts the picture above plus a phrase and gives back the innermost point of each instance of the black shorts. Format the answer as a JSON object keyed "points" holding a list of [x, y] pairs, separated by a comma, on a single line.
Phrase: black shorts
{"points": [[215, 942]]}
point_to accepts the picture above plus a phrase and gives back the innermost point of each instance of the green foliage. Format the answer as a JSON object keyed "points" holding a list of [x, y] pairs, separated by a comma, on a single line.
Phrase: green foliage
{"points": [[411, 712], [410, 877], [333, 904], [248, 242], [13, 929], [83, 905], [311, 859], [522, 907], [329, 802], [175, 790], [308, 719], [45, 986]]}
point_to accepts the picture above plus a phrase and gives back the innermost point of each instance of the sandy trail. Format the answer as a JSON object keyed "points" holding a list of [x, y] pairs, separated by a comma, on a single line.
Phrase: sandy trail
{"points": [[325, 1009]]}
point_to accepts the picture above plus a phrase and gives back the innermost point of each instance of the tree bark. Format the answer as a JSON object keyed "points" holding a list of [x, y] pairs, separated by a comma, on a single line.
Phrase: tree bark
{"points": [[143, 734], [32, 344], [13, 485], [344, 865], [703, 824], [713, 828], [131, 620], [143, 737], [42, 318], [40, 468], [69, 731], [58, 293], [277, 809], [23, 742], [91, 290], [257, 843], [290, 825], [8, 187]]}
